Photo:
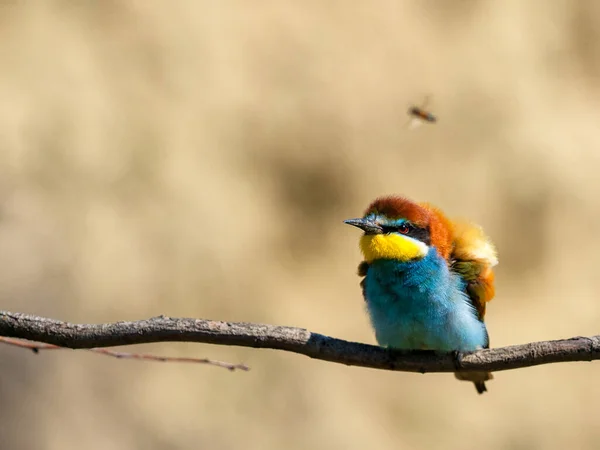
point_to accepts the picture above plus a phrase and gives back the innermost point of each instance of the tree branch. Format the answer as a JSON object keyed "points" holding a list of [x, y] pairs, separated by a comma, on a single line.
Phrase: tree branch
{"points": [[297, 340], [36, 347]]}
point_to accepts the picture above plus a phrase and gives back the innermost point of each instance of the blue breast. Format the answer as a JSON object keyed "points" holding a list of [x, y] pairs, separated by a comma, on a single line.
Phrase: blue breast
{"points": [[421, 305]]}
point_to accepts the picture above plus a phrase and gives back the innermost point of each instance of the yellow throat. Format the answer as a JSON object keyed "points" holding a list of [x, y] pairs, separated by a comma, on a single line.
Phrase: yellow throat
{"points": [[391, 246]]}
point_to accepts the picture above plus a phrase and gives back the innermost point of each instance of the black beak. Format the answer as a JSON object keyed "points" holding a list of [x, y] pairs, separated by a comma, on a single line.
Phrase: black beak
{"points": [[368, 226]]}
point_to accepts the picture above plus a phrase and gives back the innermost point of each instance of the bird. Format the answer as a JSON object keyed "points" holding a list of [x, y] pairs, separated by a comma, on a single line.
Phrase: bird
{"points": [[426, 280]]}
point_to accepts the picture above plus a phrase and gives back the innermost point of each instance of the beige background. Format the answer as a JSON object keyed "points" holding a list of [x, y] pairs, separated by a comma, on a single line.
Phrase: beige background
{"points": [[198, 158]]}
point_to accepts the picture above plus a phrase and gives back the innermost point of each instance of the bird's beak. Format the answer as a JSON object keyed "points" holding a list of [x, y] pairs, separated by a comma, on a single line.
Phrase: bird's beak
{"points": [[368, 226]]}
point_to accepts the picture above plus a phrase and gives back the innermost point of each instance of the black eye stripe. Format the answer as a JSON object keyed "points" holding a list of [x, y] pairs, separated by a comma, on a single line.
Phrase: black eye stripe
{"points": [[396, 228], [422, 234]]}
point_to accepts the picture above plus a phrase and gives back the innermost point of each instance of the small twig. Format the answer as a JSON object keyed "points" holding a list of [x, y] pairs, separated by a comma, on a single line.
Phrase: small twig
{"points": [[36, 347], [298, 340]]}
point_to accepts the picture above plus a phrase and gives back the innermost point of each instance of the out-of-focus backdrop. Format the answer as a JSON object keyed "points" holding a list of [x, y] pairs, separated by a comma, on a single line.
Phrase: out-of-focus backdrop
{"points": [[198, 158]]}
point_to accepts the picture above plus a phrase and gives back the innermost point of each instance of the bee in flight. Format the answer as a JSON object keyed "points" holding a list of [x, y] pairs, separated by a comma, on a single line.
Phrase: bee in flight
{"points": [[419, 114]]}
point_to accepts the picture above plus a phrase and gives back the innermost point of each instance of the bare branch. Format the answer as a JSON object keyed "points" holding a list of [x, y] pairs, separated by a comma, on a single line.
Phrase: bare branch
{"points": [[298, 340], [36, 347]]}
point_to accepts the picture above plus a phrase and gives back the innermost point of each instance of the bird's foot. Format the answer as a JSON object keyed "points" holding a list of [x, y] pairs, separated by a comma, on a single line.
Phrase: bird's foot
{"points": [[457, 356]]}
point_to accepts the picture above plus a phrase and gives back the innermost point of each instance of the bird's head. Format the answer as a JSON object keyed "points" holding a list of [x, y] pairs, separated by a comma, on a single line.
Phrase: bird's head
{"points": [[400, 229]]}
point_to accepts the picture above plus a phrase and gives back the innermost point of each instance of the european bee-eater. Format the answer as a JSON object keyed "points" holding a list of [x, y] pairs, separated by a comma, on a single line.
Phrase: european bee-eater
{"points": [[426, 279]]}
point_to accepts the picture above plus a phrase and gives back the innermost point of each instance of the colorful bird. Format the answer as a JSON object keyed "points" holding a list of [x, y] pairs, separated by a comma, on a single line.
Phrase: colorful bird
{"points": [[426, 279]]}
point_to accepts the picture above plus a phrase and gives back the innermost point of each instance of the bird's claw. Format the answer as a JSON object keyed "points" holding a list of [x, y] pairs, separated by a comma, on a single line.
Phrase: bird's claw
{"points": [[457, 356]]}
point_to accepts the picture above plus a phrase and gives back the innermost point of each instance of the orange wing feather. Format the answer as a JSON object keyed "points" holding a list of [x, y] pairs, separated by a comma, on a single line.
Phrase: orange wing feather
{"points": [[473, 258]]}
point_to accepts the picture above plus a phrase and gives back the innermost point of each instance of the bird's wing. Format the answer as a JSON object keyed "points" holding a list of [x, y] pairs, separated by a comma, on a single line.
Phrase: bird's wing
{"points": [[473, 257], [362, 272]]}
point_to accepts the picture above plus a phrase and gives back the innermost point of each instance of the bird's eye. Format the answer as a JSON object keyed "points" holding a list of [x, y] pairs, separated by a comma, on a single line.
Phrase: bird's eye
{"points": [[404, 228]]}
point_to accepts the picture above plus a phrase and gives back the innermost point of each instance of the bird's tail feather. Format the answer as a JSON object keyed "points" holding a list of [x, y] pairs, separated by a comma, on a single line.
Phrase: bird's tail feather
{"points": [[478, 378], [480, 386]]}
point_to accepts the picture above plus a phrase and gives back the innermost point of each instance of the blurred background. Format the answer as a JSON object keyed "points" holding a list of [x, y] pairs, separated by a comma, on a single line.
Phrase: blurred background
{"points": [[198, 158]]}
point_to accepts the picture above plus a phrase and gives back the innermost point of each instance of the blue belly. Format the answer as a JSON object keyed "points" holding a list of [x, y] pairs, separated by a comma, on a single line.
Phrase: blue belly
{"points": [[421, 305]]}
